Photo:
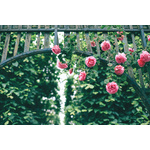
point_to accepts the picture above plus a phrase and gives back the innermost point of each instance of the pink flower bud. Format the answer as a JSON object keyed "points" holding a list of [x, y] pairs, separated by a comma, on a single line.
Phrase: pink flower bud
{"points": [[141, 63], [90, 61], [61, 65], [120, 58], [82, 76], [71, 70], [131, 49], [119, 70], [56, 49], [105, 45], [112, 87], [93, 44]]}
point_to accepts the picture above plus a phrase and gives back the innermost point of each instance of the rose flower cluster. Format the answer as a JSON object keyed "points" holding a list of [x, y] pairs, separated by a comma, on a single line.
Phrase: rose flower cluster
{"points": [[120, 58]]}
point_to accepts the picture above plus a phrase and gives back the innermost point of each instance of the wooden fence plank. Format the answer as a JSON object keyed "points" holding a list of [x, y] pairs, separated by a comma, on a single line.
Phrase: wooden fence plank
{"points": [[78, 38], [46, 38], [5, 50], [56, 40], [66, 37], [27, 40], [87, 37], [38, 38], [17, 42], [116, 45], [97, 42]]}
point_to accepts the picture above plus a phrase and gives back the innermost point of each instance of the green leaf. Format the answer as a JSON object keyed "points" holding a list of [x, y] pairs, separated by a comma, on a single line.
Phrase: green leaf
{"points": [[15, 64]]}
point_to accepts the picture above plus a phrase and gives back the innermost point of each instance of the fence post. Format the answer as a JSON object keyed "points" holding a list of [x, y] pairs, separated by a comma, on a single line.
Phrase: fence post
{"points": [[143, 36]]}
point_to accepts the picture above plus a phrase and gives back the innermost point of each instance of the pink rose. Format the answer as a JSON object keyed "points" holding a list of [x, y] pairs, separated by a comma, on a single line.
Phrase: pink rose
{"points": [[121, 38], [131, 49], [112, 87], [93, 44], [141, 63], [56, 49], [145, 56], [82, 76], [71, 70], [90, 61], [105, 45], [120, 58], [148, 37], [61, 65], [119, 70]]}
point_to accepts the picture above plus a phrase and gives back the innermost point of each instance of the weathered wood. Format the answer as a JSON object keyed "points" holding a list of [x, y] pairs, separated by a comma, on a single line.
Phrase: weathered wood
{"points": [[97, 45], [27, 40], [66, 37], [141, 79], [78, 39], [5, 50], [133, 39], [46, 38], [56, 41], [125, 44], [38, 38], [116, 45], [17, 42]]}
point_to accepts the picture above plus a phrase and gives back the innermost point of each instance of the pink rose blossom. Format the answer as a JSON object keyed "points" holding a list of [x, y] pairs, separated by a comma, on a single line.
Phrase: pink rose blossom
{"points": [[119, 70], [145, 56], [56, 49], [131, 49], [71, 70], [112, 87], [61, 65], [82, 76], [90, 61], [105, 45], [93, 44], [148, 37], [141, 63], [120, 58], [121, 38]]}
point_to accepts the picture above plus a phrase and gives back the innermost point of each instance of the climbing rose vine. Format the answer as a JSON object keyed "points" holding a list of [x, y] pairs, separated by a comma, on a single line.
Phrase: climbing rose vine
{"points": [[120, 58]]}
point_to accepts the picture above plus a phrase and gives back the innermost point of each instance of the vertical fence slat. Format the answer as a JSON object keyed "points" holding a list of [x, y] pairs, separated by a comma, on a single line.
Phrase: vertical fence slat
{"points": [[87, 37], [56, 41], [38, 38], [17, 42], [27, 40], [46, 38], [66, 37], [116, 45], [97, 43], [133, 39], [78, 38], [5, 50]]}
